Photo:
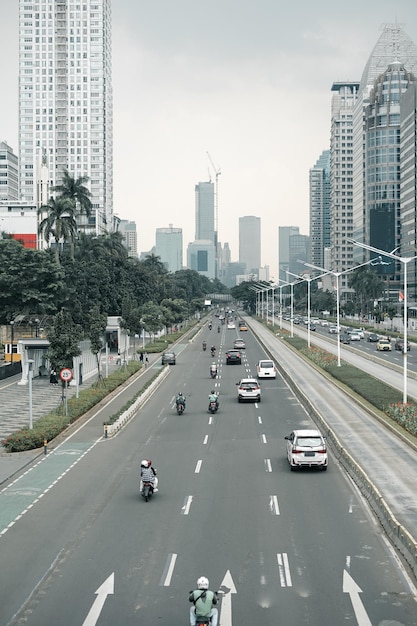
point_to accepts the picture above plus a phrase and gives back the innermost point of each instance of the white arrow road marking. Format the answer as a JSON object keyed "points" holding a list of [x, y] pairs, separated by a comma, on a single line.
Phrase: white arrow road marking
{"points": [[227, 588], [102, 592], [350, 587]]}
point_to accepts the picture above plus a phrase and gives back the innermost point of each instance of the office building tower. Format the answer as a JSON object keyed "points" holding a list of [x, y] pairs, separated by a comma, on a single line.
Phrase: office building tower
{"points": [[201, 257], [320, 208], [130, 236], [393, 45], [65, 100], [408, 184], [341, 178], [204, 212], [168, 246], [9, 173], [250, 243], [284, 235]]}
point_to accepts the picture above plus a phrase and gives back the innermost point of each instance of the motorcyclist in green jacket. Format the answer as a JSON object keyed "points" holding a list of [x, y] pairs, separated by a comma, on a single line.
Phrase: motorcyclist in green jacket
{"points": [[203, 602]]}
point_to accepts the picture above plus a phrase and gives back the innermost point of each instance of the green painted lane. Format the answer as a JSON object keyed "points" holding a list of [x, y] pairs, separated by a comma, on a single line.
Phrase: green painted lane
{"points": [[25, 491]]}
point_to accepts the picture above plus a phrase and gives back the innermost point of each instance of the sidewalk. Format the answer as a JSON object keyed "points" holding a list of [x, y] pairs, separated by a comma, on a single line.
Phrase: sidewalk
{"points": [[14, 410]]}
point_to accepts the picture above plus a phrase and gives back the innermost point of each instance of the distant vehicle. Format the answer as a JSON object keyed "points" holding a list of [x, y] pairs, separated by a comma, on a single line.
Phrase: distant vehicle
{"points": [[168, 358], [325, 322], [233, 356], [231, 325], [239, 344], [248, 389], [358, 331], [372, 337], [306, 448], [333, 330], [399, 344], [383, 345], [354, 336], [266, 369], [243, 327], [345, 338]]}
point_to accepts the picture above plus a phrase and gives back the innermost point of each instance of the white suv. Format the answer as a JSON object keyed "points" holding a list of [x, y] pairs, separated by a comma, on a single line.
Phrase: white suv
{"points": [[306, 448], [248, 389], [266, 369]]}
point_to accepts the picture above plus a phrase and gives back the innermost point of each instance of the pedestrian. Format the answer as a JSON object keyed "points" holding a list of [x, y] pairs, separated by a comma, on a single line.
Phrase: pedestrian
{"points": [[52, 377], [141, 357], [146, 359]]}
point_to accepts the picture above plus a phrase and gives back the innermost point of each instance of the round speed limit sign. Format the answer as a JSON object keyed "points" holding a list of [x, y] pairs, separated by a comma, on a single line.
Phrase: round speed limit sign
{"points": [[65, 374]]}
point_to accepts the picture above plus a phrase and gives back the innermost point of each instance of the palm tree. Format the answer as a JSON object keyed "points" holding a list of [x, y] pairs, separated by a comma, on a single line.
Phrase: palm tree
{"points": [[59, 222], [75, 190]]}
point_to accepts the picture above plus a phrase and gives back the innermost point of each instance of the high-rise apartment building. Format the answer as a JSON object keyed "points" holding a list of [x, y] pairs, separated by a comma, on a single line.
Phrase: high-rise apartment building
{"points": [[250, 243], [204, 212], [9, 173], [408, 184], [130, 236], [168, 246], [320, 208], [65, 99], [284, 236]]}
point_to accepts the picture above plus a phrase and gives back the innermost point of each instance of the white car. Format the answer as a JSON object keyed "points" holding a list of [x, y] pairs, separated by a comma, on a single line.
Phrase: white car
{"points": [[354, 336], [306, 448], [231, 325], [266, 369], [248, 389]]}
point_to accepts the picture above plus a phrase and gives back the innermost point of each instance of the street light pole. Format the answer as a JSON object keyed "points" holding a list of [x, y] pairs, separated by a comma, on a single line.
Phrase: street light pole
{"points": [[12, 341], [30, 377], [405, 261]]}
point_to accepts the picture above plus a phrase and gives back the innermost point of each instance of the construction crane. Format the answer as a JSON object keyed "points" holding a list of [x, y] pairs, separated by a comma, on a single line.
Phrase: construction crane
{"points": [[217, 173]]}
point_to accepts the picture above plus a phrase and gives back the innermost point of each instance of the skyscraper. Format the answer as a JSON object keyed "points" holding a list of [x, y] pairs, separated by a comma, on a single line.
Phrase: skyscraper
{"points": [[284, 235], [320, 208], [250, 243], [204, 212], [65, 99], [168, 246], [130, 236]]}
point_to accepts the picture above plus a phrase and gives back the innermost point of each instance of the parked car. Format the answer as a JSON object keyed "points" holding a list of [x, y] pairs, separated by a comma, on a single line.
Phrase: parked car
{"points": [[266, 369], [168, 358], [306, 448], [239, 344], [248, 389], [233, 356], [372, 337], [399, 344], [383, 344]]}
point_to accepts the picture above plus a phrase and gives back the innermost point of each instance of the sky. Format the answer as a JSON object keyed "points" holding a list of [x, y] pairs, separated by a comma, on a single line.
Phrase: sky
{"points": [[246, 81]]}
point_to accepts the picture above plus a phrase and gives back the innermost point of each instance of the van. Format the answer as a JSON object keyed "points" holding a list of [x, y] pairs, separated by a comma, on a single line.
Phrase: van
{"points": [[266, 369]]}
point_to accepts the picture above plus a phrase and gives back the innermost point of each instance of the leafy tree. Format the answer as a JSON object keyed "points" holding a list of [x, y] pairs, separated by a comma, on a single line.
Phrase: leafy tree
{"points": [[245, 293], [96, 326], [59, 222], [75, 190], [64, 337]]}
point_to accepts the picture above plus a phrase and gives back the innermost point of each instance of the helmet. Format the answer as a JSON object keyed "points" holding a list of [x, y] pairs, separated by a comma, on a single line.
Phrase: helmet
{"points": [[144, 463], [212, 391], [202, 583], [180, 393]]}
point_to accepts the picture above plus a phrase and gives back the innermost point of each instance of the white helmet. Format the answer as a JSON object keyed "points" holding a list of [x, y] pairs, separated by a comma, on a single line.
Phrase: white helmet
{"points": [[144, 463], [202, 583]]}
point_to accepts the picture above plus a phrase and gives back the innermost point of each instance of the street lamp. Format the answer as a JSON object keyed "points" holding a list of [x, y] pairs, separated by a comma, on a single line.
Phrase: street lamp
{"points": [[405, 260], [30, 377], [337, 276], [12, 341]]}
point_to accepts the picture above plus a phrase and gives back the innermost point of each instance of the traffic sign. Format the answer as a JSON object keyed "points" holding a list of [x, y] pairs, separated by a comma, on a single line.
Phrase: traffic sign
{"points": [[65, 374]]}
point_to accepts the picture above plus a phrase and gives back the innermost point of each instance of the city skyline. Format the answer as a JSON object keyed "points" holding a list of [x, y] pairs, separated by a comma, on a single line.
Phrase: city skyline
{"points": [[243, 100]]}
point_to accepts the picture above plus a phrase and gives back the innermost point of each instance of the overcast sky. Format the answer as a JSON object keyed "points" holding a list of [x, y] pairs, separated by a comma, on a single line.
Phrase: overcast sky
{"points": [[246, 80]]}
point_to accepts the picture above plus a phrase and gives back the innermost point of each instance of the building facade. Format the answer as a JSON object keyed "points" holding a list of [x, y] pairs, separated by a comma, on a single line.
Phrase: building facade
{"points": [[201, 257], [9, 173], [284, 235], [204, 212], [319, 183], [169, 247], [65, 100], [130, 236], [250, 243]]}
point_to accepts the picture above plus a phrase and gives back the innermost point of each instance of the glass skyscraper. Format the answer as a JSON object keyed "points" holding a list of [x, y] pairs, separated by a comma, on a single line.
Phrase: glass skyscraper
{"points": [[65, 99]]}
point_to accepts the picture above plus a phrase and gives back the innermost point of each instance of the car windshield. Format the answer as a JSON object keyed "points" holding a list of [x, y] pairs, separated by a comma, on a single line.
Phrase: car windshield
{"points": [[308, 442], [249, 385], [266, 364]]}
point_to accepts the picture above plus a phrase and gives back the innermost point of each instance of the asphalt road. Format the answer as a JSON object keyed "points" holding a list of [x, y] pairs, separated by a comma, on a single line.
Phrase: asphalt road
{"points": [[286, 548]]}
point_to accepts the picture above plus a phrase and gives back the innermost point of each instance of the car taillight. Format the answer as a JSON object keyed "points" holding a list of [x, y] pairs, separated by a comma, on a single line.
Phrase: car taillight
{"points": [[323, 451], [295, 451]]}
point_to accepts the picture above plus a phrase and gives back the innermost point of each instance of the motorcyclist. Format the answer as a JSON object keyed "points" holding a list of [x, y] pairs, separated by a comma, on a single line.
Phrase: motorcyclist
{"points": [[213, 369], [180, 399], [210, 326], [148, 474], [213, 397], [203, 600], [213, 350], [204, 345], [218, 329]]}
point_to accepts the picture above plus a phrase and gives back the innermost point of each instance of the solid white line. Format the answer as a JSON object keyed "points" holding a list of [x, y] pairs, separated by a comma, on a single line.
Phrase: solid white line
{"points": [[205, 440], [186, 507], [198, 467], [171, 566], [264, 438]]}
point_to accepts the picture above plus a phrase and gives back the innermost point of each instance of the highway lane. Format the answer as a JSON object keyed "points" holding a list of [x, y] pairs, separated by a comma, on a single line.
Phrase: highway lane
{"points": [[285, 538]]}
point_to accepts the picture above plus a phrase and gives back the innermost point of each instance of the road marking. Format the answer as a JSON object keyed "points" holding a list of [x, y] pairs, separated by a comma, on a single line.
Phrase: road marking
{"points": [[102, 592], [227, 588], [210, 420], [259, 419], [268, 466], [284, 570], [273, 505], [353, 589], [205, 440], [187, 504], [198, 467], [169, 568], [264, 438]]}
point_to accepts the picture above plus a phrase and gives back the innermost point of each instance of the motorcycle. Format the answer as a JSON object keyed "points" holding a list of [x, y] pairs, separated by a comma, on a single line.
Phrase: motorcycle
{"points": [[213, 373], [147, 491], [210, 327], [204, 346], [180, 408], [202, 621], [213, 352], [213, 406], [218, 329]]}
